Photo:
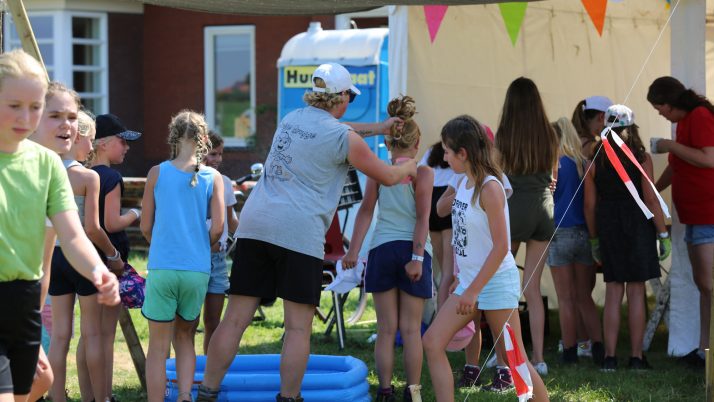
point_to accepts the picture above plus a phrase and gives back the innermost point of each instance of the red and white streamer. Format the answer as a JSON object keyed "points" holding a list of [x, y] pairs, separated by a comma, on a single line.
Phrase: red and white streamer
{"points": [[519, 369], [617, 164]]}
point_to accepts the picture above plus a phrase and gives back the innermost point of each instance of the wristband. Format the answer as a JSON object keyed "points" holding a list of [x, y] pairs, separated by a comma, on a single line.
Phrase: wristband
{"points": [[416, 257], [663, 235], [115, 257], [136, 212]]}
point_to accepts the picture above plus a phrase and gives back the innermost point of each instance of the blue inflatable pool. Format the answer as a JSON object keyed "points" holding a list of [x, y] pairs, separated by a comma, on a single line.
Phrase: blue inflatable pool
{"points": [[256, 378]]}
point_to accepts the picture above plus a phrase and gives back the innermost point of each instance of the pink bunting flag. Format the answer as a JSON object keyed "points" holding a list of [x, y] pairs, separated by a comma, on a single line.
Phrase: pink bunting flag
{"points": [[434, 15], [519, 370]]}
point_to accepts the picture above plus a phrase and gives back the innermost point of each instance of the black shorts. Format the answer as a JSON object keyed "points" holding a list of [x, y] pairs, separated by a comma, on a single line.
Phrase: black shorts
{"points": [[264, 270], [437, 223], [65, 280], [20, 335]]}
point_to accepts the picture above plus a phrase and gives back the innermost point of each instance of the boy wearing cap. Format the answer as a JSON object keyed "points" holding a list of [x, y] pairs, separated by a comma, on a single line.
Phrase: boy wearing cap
{"points": [[280, 240], [110, 147]]}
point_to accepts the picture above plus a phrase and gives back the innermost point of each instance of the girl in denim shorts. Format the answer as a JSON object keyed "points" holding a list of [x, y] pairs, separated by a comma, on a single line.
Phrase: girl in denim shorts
{"points": [[570, 260], [691, 173], [488, 279]]}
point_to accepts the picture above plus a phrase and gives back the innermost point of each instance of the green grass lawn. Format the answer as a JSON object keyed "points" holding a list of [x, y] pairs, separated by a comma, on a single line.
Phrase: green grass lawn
{"points": [[669, 381]]}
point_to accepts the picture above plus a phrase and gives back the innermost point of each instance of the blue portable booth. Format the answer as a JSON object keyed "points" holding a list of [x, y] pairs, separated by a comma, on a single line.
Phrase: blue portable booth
{"points": [[362, 51]]}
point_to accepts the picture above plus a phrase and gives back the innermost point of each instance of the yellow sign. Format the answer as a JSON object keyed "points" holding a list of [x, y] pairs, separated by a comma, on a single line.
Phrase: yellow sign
{"points": [[299, 77]]}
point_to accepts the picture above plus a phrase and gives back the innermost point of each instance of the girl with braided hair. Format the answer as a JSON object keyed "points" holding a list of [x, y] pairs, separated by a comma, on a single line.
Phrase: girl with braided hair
{"points": [[178, 198], [399, 263]]}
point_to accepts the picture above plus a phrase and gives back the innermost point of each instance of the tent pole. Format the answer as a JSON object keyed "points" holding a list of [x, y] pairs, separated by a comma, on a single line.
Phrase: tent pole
{"points": [[24, 30]]}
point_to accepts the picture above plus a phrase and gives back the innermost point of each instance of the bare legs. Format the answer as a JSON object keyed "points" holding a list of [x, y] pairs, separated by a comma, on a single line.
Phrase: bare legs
{"points": [[212, 309], [702, 259], [532, 272], [441, 331], [573, 285], [226, 338], [62, 315], [444, 254], [614, 293], [398, 309]]}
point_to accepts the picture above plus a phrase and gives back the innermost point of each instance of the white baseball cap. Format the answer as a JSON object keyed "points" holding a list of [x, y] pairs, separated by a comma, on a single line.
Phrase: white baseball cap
{"points": [[619, 116], [600, 103], [337, 79]]}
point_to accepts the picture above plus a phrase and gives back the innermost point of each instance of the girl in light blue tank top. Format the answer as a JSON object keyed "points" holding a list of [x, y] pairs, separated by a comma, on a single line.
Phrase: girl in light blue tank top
{"points": [[180, 195], [399, 263]]}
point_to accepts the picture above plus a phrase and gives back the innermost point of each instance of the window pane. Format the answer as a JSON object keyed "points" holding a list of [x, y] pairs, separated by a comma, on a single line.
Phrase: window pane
{"points": [[233, 80], [85, 28], [41, 26], [87, 81], [85, 55], [93, 104], [48, 53]]}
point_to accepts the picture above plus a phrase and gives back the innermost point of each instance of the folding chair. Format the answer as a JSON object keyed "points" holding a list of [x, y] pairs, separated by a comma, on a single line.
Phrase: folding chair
{"points": [[334, 251]]}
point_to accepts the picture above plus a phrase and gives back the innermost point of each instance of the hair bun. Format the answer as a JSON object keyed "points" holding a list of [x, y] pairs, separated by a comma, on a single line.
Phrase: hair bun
{"points": [[403, 107]]}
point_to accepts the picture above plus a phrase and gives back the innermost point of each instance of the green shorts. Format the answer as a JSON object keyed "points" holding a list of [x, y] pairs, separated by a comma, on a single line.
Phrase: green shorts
{"points": [[171, 293]]}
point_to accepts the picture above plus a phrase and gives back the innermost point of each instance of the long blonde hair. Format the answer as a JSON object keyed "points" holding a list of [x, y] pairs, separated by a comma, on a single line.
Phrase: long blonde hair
{"points": [[405, 137], [570, 143], [525, 138], [466, 132], [191, 125]]}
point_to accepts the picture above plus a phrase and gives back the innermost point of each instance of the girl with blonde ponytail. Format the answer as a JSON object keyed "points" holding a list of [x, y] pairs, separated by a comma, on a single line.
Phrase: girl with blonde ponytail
{"points": [[179, 195], [399, 263]]}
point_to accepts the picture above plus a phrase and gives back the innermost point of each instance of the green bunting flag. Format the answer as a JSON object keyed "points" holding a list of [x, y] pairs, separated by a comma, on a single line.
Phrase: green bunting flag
{"points": [[513, 14]]}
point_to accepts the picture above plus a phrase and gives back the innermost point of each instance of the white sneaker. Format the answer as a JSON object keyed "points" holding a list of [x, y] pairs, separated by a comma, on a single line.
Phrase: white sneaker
{"points": [[541, 368]]}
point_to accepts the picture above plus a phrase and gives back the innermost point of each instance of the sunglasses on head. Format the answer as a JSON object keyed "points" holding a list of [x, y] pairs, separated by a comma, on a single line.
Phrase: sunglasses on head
{"points": [[351, 94]]}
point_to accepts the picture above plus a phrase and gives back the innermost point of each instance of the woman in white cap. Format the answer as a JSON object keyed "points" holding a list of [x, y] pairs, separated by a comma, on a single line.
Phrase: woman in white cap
{"points": [[589, 120], [280, 240]]}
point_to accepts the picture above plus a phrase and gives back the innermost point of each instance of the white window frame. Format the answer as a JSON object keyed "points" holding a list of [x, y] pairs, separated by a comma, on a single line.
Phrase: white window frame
{"points": [[209, 35], [62, 46]]}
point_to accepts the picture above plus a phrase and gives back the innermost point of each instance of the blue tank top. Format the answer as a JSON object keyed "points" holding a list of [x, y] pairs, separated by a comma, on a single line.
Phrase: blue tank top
{"points": [[179, 238], [566, 190]]}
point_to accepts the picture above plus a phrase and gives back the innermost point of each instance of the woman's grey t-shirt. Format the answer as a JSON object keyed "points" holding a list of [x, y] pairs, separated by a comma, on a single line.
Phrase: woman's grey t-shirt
{"points": [[295, 200]]}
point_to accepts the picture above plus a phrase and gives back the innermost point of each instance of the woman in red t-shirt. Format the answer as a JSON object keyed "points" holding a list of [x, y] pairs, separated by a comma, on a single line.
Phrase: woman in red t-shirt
{"points": [[691, 174]]}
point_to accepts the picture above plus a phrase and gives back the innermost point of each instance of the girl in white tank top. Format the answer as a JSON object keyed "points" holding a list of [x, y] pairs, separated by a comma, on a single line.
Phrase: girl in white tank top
{"points": [[481, 242]]}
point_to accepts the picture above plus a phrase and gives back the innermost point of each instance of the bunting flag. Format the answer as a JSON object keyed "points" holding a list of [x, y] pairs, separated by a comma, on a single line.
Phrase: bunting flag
{"points": [[612, 156], [596, 10], [434, 15], [519, 369], [513, 14]]}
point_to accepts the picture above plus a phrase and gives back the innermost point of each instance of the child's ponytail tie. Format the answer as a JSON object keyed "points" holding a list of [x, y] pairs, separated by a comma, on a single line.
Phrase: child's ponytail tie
{"points": [[194, 178]]}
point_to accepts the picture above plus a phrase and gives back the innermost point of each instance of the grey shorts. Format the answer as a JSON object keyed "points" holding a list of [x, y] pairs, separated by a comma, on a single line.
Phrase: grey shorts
{"points": [[570, 246]]}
